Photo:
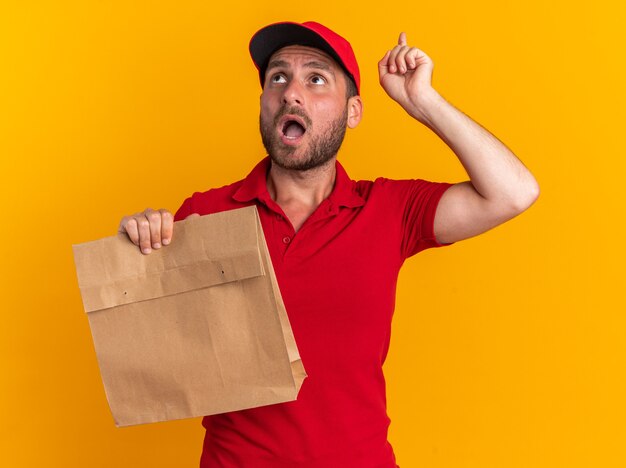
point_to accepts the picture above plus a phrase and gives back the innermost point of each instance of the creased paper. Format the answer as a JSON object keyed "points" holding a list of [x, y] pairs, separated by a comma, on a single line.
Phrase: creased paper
{"points": [[192, 329]]}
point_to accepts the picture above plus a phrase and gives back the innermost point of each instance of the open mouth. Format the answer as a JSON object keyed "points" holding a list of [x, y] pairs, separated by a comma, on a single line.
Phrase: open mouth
{"points": [[292, 127]]}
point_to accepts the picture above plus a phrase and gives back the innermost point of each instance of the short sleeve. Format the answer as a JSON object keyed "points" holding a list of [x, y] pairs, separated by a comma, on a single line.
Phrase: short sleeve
{"points": [[418, 223], [185, 210], [209, 202]]}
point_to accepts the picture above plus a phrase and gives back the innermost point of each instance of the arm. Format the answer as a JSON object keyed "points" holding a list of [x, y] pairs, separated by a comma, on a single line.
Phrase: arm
{"points": [[500, 186]]}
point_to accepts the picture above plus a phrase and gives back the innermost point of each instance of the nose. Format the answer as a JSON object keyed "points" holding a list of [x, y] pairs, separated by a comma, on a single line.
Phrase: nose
{"points": [[293, 93]]}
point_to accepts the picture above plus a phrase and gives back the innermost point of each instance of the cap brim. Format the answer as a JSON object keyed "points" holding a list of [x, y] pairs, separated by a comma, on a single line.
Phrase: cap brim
{"points": [[276, 36]]}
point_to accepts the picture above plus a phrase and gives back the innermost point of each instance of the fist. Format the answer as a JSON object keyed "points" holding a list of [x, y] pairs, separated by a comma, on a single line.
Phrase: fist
{"points": [[405, 73]]}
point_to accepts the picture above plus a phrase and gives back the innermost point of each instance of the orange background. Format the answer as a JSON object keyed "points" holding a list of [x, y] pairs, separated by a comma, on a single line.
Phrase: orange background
{"points": [[508, 350]]}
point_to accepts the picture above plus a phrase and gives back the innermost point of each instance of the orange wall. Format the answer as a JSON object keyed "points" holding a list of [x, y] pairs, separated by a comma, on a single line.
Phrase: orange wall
{"points": [[508, 349]]}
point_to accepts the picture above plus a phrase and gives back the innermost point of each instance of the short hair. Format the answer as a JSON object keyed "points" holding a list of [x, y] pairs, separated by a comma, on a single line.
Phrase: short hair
{"points": [[351, 90]]}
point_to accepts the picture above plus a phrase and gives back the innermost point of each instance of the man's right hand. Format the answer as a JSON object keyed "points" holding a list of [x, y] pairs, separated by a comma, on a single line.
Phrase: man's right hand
{"points": [[149, 229]]}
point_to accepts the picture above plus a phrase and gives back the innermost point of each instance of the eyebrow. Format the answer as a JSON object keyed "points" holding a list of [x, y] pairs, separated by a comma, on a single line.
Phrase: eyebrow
{"points": [[277, 64], [312, 64]]}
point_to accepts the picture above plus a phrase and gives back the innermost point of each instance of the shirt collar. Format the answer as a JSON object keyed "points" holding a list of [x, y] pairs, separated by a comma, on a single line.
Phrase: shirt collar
{"points": [[254, 186]]}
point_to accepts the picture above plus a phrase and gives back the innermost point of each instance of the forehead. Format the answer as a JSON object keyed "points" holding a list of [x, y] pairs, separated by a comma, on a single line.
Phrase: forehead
{"points": [[298, 53]]}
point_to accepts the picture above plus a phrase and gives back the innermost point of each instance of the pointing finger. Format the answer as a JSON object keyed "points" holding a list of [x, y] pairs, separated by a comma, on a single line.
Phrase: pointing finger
{"points": [[402, 39]]}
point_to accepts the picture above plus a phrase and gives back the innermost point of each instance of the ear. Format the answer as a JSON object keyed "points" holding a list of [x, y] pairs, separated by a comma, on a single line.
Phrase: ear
{"points": [[355, 111]]}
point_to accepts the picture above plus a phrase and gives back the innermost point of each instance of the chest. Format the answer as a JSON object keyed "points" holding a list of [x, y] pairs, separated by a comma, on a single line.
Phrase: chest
{"points": [[337, 277]]}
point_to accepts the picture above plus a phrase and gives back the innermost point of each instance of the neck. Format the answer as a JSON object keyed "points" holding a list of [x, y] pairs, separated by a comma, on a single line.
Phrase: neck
{"points": [[299, 193]]}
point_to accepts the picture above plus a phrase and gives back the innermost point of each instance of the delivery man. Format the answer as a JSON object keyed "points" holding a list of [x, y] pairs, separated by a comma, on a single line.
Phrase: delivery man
{"points": [[336, 244]]}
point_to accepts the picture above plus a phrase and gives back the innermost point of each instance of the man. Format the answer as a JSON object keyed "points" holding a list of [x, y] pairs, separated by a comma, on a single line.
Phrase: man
{"points": [[337, 245]]}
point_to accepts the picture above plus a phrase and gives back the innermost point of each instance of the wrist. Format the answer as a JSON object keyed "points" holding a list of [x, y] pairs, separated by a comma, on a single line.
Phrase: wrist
{"points": [[426, 103]]}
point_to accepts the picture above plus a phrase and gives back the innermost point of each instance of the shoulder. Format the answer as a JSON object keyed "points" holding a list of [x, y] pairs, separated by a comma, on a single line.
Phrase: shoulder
{"points": [[383, 187], [211, 201]]}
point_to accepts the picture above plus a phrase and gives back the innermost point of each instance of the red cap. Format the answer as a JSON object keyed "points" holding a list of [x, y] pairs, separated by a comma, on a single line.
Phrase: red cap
{"points": [[269, 39]]}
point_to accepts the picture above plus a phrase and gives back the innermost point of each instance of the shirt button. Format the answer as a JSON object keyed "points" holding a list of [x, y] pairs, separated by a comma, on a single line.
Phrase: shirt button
{"points": [[286, 240]]}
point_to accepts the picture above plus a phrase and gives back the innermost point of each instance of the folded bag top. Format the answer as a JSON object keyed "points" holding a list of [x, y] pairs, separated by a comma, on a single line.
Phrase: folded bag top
{"points": [[215, 250]]}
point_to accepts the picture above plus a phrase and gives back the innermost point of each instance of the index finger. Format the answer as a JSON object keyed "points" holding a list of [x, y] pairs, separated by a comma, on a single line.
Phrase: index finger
{"points": [[402, 39]]}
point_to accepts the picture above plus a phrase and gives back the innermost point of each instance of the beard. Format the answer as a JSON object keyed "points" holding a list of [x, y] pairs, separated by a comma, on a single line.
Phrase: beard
{"points": [[321, 149]]}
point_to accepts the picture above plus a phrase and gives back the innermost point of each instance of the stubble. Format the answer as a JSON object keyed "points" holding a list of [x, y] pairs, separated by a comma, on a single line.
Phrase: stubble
{"points": [[321, 148]]}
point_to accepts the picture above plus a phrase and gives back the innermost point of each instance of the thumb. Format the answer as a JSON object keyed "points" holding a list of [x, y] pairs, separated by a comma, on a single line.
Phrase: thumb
{"points": [[382, 65]]}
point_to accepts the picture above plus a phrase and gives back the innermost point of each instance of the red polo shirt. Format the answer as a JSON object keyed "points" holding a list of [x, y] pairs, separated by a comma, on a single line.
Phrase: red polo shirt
{"points": [[337, 276]]}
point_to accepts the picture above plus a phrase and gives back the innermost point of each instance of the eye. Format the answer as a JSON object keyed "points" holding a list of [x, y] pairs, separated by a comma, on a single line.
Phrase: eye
{"points": [[278, 78], [318, 80]]}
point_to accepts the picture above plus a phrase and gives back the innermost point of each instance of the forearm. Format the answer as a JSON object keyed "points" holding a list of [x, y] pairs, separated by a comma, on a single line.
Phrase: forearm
{"points": [[500, 187], [494, 171]]}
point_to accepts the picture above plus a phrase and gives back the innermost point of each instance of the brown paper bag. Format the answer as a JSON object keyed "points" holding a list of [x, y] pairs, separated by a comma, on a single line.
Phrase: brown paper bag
{"points": [[192, 329]]}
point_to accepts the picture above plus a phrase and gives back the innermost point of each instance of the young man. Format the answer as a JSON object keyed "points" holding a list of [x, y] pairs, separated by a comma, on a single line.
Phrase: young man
{"points": [[337, 245]]}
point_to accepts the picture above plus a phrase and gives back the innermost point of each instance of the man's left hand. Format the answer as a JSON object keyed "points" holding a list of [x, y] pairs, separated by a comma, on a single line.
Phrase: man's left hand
{"points": [[405, 73]]}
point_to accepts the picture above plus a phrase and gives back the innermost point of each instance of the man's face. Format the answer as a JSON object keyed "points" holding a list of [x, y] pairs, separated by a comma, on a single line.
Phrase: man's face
{"points": [[303, 108]]}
